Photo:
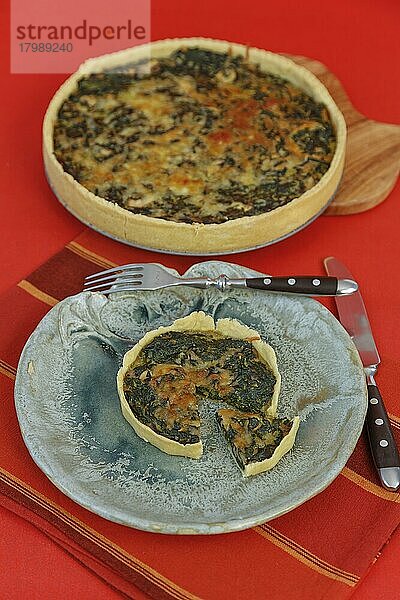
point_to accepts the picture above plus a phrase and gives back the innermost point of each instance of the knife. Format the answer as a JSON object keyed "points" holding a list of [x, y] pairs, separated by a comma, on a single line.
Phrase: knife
{"points": [[354, 318]]}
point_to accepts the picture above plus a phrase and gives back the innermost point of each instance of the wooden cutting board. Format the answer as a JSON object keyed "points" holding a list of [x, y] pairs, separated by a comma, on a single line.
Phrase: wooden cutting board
{"points": [[372, 153]]}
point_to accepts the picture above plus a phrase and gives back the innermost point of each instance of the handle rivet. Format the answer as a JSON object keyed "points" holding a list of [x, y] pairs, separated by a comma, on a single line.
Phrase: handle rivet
{"points": [[267, 281], [384, 443], [291, 281], [373, 401], [378, 421], [316, 281]]}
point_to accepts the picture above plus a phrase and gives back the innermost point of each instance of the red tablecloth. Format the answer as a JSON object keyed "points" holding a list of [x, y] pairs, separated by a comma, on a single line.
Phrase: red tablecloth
{"points": [[359, 42]]}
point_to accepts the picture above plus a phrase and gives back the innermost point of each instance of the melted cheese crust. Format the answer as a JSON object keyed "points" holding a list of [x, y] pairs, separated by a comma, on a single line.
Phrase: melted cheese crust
{"points": [[204, 138]]}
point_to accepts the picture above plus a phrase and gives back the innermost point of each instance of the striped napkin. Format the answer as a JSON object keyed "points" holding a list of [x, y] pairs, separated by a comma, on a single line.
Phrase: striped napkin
{"points": [[322, 549]]}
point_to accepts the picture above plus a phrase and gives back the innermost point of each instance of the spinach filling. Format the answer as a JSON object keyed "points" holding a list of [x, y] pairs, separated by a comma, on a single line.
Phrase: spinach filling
{"points": [[198, 136], [252, 438], [176, 370]]}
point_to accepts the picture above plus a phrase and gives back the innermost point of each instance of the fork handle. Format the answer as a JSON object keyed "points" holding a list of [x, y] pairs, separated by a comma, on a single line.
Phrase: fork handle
{"points": [[308, 285]]}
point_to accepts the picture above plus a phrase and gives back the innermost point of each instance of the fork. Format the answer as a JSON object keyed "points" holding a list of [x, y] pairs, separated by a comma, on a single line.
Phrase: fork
{"points": [[152, 276]]}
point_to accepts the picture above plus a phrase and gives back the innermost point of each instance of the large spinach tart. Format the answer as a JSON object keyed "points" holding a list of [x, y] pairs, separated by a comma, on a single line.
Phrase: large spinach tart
{"points": [[196, 145], [171, 370]]}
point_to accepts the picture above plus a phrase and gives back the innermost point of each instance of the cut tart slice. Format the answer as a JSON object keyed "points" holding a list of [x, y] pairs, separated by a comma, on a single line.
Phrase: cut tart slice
{"points": [[257, 442], [171, 369]]}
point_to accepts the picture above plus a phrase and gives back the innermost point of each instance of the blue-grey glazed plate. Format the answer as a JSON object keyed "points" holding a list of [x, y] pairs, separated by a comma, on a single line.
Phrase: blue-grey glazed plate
{"points": [[70, 418]]}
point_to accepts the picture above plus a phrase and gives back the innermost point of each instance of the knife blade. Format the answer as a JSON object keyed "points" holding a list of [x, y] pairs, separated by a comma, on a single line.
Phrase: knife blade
{"points": [[353, 316]]}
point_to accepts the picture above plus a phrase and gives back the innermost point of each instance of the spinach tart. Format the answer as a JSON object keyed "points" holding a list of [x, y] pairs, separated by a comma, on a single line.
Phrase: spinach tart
{"points": [[194, 146], [171, 370]]}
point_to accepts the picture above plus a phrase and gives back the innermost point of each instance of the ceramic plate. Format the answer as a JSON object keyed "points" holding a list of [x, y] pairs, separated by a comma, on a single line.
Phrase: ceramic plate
{"points": [[70, 418]]}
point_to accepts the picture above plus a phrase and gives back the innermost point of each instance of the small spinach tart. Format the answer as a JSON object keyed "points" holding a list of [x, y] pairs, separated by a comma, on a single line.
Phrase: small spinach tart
{"points": [[194, 145], [171, 370]]}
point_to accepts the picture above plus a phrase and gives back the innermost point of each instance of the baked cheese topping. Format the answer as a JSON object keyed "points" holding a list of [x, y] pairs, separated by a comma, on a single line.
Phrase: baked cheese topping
{"points": [[178, 369], [201, 136]]}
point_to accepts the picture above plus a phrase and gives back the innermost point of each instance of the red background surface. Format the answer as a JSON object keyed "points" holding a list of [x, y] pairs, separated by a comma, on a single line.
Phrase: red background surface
{"points": [[359, 41]]}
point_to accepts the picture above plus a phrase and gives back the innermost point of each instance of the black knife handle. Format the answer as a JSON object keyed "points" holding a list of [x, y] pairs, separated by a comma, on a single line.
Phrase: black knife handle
{"points": [[383, 446], [313, 286]]}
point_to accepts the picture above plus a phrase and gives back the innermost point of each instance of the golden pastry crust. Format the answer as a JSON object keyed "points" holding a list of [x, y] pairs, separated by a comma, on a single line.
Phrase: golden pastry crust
{"points": [[196, 238]]}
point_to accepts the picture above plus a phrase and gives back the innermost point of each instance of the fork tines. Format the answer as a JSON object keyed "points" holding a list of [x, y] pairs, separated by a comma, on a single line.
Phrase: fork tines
{"points": [[115, 279]]}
